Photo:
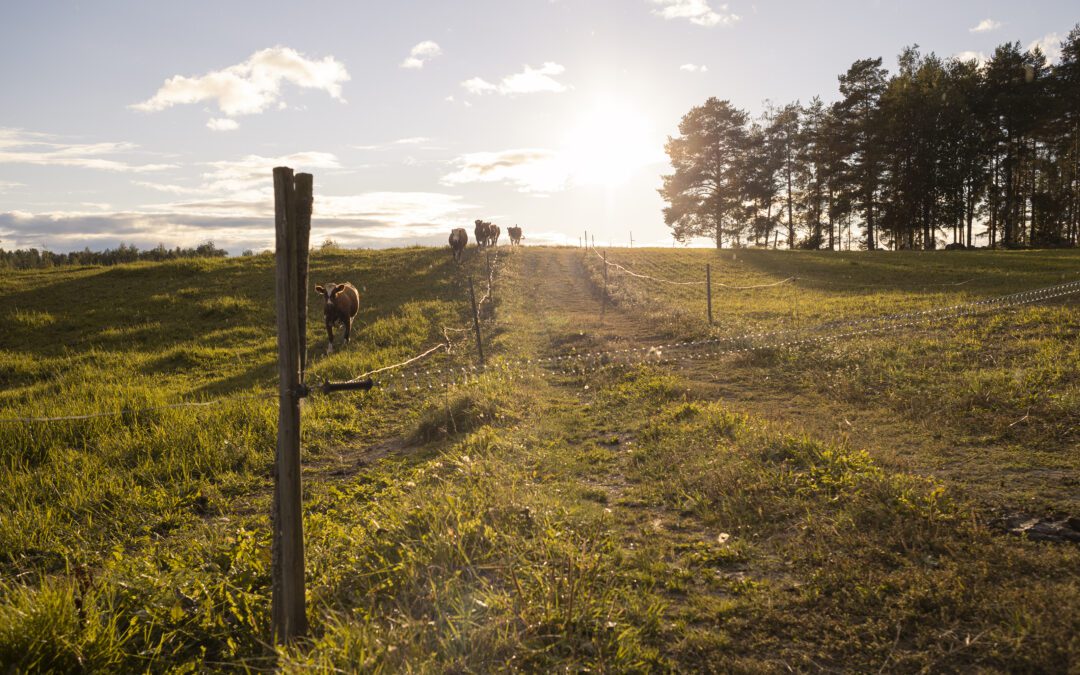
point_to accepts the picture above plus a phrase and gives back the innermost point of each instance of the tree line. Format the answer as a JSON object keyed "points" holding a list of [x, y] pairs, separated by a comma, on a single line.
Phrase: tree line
{"points": [[906, 161], [33, 258]]}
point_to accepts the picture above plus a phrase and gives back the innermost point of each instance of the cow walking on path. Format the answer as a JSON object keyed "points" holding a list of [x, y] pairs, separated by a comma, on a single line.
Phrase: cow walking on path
{"points": [[342, 303], [459, 238]]}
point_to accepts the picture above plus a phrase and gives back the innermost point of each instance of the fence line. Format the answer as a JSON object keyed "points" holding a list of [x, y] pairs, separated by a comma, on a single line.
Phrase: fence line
{"points": [[441, 345], [441, 376], [992, 304], [632, 273]]}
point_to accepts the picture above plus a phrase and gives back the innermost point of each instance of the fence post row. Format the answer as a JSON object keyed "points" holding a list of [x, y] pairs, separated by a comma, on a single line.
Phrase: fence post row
{"points": [[603, 299], [292, 219], [476, 322], [708, 290]]}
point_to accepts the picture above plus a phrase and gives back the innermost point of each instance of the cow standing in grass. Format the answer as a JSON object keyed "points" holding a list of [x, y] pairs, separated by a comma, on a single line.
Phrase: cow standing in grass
{"points": [[458, 239], [515, 235], [481, 233], [342, 303], [493, 234]]}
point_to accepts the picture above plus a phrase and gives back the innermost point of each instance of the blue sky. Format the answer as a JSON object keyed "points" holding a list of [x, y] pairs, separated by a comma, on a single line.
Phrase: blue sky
{"points": [[149, 122]]}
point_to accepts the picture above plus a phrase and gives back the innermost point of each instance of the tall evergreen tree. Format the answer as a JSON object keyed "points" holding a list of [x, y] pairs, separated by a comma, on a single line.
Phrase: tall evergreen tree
{"points": [[707, 194], [858, 113]]}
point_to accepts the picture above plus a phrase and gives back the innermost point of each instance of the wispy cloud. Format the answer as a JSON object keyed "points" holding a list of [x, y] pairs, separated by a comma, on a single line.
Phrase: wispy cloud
{"points": [[528, 81], [1050, 46], [28, 147], [366, 219], [969, 55], [252, 86], [696, 11], [529, 169], [694, 68], [411, 141], [421, 54], [222, 124], [985, 26]]}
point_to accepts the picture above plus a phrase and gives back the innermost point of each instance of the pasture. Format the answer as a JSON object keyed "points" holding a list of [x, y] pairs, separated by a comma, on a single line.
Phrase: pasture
{"points": [[584, 502]]}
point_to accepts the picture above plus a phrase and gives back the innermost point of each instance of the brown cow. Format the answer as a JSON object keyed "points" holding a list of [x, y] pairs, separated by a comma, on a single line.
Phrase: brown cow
{"points": [[493, 234], [342, 303], [458, 239], [481, 232], [515, 235]]}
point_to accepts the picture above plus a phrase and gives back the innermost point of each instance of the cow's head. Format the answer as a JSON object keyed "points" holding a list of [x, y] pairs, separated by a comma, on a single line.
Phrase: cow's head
{"points": [[329, 291]]}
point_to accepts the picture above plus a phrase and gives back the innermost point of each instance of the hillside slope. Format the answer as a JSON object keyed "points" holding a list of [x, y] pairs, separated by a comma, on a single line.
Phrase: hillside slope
{"points": [[587, 501]]}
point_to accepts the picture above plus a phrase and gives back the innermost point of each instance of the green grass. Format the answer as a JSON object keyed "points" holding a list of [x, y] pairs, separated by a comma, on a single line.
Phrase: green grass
{"points": [[1005, 382], [627, 518]]}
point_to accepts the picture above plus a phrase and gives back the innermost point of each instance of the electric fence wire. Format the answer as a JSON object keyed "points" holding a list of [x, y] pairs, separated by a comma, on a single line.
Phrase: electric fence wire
{"points": [[570, 362], [662, 353]]}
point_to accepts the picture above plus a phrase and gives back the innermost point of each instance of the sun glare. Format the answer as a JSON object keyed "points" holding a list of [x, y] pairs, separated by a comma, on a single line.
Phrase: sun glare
{"points": [[609, 143]]}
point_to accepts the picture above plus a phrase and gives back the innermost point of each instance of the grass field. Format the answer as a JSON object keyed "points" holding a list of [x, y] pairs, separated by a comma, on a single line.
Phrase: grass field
{"points": [[830, 505]]}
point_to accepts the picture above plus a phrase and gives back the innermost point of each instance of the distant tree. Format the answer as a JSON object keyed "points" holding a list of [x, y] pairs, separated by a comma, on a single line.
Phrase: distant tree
{"points": [[782, 138], [707, 195], [858, 115], [761, 170]]}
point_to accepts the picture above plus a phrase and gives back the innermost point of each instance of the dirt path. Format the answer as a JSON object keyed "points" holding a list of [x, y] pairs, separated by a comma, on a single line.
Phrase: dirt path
{"points": [[567, 313]]}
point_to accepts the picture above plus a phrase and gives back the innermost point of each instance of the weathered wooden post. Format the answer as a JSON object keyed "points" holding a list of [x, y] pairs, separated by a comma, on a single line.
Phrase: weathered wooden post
{"points": [[304, 200], [288, 616], [708, 290], [631, 239], [476, 322]]}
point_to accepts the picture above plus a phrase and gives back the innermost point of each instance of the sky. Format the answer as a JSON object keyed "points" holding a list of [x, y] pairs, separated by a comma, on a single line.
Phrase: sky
{"points": [[160, 122]]}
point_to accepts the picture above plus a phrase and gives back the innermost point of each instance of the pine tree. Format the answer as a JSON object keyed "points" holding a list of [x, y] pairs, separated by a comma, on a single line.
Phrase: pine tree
{"points": [[707, 194]]}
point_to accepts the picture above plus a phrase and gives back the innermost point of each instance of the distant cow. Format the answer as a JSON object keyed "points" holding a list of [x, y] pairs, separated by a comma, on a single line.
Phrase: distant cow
{"points": [[493, 234], [481, 232], [342, 303], [515, 235], [955, 246], [458, 239]]}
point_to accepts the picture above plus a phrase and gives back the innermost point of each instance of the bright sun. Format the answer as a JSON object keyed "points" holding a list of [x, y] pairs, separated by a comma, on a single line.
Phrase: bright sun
{"points": [[609, 143]]}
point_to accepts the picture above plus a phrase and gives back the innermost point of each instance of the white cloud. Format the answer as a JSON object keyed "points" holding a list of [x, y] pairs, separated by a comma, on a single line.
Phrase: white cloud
{"points": [[978, 57], [366, 219], [169, 188], [222, 124], [478, 85], [530, 169], [528, 81], [420, 54], [985, 26], [1050, 46], [694, 68], [28, 147], [696, 11], [252, 86]]}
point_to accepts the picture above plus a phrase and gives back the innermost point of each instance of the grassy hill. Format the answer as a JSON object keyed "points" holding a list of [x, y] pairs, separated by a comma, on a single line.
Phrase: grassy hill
{"points": [[585, 502]]}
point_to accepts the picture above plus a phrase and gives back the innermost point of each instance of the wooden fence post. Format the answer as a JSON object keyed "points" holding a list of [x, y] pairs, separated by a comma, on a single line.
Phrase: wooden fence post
{"points": [[476, 322], [708, 290], [304, 201], [289, 619]]}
